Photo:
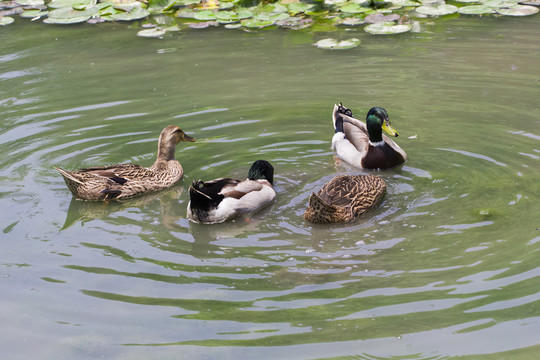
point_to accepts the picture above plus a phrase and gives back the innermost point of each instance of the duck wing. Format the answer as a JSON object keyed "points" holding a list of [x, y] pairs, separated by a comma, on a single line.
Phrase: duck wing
{"points": [[120, 173], [356, 132]]}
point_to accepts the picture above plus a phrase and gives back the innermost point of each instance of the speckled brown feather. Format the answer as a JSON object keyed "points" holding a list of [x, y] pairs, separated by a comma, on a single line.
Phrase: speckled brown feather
{"points": [[123, 181], [345, 198]]}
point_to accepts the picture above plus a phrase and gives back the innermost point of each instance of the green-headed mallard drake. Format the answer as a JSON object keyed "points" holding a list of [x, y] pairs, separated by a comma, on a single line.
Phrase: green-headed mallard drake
{"points": [[218, 200], [364, 145], [126, 180], [345, 198]]}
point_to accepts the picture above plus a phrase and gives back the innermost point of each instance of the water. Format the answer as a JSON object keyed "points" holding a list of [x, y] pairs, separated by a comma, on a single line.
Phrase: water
{"points": [[445, 267]]}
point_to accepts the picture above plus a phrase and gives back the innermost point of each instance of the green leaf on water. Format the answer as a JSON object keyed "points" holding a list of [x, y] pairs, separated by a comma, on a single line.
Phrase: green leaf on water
{"points": [[334, 44], [476, 10], [31, 3], [152, 33], [436, 9], [206, 15], [387, 28], [256, 23], [295, 8], [135, 14], [500, 3], [518, 10], [353, 9], [32, 14], [232, 16], [6, 20]]}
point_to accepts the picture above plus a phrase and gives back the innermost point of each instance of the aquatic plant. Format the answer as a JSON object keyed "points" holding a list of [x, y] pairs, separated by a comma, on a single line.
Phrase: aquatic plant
{"points": [[376, 16]]}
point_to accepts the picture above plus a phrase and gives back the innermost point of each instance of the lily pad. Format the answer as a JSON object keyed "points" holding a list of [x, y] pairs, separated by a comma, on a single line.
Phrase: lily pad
{"points": [[272, 17], [206, 15], [531, 2], [233, 26], [256, 23], [353, 9], [437, 10], [60, 4], [518, 10], [33, 14], [377, 18], [299, 7], [500, 3], [70, 16], [233, 16], [476, 10], [275, 8], [334, 44], [152, 33], [31, 3], [406, 3], [387, 28], [295, 23], [334, 2], [186, 13], [6, 20], [352, 21], [135, 14]]}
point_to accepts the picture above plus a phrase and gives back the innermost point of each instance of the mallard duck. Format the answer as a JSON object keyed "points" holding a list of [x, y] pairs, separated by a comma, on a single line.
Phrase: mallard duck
{"points": [[365, 146], [218, 200], [345, 198], [126, 180]]}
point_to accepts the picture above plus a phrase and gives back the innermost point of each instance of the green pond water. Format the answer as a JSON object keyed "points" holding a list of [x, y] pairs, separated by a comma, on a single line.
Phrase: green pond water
{"points": [[445, 267]]}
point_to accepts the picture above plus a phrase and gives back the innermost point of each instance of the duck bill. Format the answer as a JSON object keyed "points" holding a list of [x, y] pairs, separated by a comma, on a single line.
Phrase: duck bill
{"points": [[188, 138], [389, 129]]}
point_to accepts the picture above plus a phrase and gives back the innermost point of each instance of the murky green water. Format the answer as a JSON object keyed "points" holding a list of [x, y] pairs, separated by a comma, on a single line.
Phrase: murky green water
{"points": [[447, 266]]}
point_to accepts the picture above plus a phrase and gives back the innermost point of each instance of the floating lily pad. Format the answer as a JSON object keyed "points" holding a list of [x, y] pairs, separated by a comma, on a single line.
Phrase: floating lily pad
{"points": [[271, 16], [437, 10], [334, 2], [275, 8], [70, 16], [203, 25], [468, 1], [387, 28], [377, 18], [476, 10], [206, 15], [59, 4], [152, 33], [233, 16], [186, 2], [352, 21], [406, 3], [31, 3], [256, 23], [518, 10], [33, 14], [6, 20], [186, 13], [299, 7], [136, 14], [334, 44], [500, 3], [353, 9], [233, 26], [295, 23], [531, 2]]}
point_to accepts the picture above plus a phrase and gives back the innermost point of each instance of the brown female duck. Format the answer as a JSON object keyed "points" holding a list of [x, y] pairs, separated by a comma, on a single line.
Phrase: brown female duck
{"points": [[126, 180], [345, 198]]}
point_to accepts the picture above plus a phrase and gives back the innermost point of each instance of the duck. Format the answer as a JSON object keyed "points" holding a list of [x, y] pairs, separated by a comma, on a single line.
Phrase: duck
{"points": [[345, 198], [218, 200], [364, 145], [123, 181]]}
